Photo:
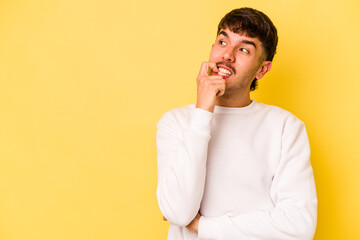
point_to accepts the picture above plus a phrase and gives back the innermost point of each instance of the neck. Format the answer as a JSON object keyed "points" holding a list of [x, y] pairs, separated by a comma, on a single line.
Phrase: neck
{"points": [[234, 100]]}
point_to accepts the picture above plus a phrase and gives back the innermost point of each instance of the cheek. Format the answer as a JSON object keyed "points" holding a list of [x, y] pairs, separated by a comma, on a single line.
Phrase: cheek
{"points": [[245, 64], [215, 54]]}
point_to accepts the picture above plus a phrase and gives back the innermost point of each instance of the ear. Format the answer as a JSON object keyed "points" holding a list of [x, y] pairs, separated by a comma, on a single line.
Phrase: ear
{"points": [[265, 67]]}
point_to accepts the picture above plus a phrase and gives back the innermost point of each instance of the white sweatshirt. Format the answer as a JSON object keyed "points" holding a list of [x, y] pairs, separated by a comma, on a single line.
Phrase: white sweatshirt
{"points": [[247, 170]]}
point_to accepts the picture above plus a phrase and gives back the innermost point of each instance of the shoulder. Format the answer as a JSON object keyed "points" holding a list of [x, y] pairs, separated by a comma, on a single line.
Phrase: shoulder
{"points": [[278, 114], [175, 116], [291, 128]]}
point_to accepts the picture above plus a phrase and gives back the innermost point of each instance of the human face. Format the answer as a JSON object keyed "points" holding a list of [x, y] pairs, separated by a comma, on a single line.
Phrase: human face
{"points": [[239, 59]]}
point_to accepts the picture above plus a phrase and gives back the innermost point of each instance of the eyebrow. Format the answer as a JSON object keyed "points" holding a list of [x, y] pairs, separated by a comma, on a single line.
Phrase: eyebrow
{"points": [[243, 41]]}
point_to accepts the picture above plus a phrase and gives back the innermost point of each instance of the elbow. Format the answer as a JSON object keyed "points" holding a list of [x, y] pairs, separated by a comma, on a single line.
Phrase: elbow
{"points": [[308, 230], [305, 223], [305, 232], [310, 221], [300, 229], [181, 219], [178, 213]]}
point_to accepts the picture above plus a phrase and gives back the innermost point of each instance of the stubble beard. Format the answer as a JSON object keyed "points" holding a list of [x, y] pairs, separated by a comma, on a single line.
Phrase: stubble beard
{"points": [[236, 88]]}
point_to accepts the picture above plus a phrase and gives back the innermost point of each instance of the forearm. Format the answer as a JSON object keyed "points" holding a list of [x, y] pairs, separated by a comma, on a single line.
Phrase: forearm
{"points": [[282, 223], [182, 169]]}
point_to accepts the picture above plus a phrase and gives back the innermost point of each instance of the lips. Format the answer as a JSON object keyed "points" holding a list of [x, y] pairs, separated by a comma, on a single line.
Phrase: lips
{"points": [[224, 71]]}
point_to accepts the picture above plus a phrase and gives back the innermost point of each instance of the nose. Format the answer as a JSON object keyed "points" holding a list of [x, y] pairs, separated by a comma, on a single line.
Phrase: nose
{"points": [[229, 55]]}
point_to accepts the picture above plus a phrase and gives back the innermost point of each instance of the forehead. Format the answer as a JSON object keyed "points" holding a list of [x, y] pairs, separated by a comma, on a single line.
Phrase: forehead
{"points": [[238, 36], [242, 38]]}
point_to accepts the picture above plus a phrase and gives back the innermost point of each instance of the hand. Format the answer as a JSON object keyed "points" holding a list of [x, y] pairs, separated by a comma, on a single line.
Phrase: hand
{"points": [[194, 225], [209, 86]]}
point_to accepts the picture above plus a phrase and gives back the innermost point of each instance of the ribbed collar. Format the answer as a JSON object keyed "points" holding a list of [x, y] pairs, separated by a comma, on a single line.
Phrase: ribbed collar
{"points": [[232, 110]]}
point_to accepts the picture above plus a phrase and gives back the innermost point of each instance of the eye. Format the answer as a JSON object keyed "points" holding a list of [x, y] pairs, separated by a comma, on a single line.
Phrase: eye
{"points": [[222, 42], [244, 50]]}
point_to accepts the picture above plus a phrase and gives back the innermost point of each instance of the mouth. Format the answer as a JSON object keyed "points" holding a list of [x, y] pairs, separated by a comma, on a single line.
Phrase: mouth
{"points": [[224, 71]]}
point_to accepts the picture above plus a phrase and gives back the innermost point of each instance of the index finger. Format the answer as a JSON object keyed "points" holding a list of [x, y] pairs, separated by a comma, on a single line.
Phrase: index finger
{"points": [[207, 68], [212, 68]]}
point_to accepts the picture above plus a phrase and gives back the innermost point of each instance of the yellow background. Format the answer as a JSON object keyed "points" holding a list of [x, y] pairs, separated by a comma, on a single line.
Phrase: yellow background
{"points": [[83, 84]]}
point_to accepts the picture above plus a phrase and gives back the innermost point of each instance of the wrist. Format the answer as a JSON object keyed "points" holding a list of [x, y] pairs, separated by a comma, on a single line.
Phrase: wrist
{"points": [[206, 108]]}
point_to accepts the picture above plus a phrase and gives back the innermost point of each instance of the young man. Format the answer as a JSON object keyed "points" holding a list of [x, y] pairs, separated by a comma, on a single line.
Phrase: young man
{"points": [[228, 166]]}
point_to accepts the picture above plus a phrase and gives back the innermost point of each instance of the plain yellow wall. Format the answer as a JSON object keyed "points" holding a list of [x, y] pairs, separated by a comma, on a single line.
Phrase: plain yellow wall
{"points": [[83, 84]]}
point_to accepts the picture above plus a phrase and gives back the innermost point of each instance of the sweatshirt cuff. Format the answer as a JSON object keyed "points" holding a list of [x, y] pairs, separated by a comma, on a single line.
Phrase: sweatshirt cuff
{"points": [[200, 120], [209, 228]]}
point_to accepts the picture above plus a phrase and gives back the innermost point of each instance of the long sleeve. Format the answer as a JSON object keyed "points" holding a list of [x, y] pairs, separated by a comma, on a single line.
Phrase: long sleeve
{"points": [[292, 192], [182, 146]]}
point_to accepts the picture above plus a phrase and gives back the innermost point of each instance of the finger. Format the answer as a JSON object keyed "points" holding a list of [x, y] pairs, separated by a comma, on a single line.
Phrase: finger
{"points": [[204, 83], [220, 92], [212, 68], [205, 79], [204, 68], [216, 80], [213, 77], [207, 68], [218, 87]]}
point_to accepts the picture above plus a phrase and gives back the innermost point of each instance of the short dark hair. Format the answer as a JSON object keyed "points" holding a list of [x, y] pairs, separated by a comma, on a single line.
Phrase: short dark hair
{"points": [[253, 23]]}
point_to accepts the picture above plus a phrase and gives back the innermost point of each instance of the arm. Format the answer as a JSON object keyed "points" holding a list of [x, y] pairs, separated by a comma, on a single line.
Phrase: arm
{"points": [[182, 153], [293, 193], [182, 165]]}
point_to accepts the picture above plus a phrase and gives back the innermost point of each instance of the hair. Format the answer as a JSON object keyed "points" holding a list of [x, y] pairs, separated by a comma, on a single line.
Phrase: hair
{"points": [[254, 24]]}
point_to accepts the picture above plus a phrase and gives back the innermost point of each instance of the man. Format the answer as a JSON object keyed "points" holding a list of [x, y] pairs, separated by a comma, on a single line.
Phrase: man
{"points": [[228, 166]]}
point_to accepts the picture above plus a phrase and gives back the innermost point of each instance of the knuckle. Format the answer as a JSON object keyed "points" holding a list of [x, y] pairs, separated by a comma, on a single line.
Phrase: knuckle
{"points": [[207, 83], [200, 78], [204, 80]]}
